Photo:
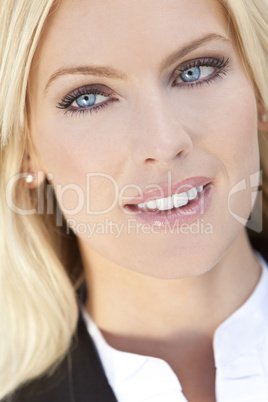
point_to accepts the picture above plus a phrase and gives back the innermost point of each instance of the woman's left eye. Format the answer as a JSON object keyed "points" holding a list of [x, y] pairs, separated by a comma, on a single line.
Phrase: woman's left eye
{"points": [[195, 73], [200, 71], [88, 100]]}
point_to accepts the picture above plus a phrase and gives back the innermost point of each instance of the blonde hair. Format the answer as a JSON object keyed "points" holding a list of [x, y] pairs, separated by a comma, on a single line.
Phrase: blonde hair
{"points": [[37, 287], [249, 22], [38, 302]]}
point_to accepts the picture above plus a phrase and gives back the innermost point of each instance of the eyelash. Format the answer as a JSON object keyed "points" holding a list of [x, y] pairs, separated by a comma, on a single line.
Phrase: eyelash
{"points": [[70, 98], [219, 65]]}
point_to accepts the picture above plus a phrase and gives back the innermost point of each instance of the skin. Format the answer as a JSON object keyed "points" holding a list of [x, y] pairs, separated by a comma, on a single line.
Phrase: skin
{"points": [[154, 129]]}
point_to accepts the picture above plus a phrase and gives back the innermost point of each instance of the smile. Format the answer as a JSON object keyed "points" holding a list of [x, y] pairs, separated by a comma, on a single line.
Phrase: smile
{"points": [[181, 203], [174, 201]]}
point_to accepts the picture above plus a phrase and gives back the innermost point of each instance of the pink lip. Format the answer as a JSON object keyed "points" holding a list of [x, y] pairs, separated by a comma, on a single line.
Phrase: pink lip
{"points": [[176, 217], [166, 191]]}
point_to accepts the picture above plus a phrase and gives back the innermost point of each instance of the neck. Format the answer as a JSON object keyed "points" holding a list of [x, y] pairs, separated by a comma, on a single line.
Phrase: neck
{"points": [[126, 304]]}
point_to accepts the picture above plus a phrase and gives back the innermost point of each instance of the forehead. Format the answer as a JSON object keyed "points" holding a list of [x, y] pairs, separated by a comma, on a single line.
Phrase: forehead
{"points": [[97, 23], [123, 33]]}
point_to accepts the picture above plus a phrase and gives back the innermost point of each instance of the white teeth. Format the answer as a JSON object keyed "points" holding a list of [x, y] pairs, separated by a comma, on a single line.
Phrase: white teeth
{"points": [[161, 204], [192, 193], [169, 203], [164, 204], [151, 204], [141, 205], [177, 200]]}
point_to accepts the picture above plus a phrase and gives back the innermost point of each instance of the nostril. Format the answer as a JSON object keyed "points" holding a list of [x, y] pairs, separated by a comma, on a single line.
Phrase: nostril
{"points": [[149, 160]]}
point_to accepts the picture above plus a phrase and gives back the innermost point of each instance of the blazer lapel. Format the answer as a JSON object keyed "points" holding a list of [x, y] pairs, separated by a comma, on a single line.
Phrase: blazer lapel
{"points": [[79, 378]]}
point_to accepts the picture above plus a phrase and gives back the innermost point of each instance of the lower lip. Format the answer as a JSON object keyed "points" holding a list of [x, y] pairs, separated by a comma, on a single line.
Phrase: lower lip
{"points": [[176, 217]]}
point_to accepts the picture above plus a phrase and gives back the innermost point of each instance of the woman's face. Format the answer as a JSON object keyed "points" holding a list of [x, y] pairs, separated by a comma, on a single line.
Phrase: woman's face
{"points": [[135, 101]]}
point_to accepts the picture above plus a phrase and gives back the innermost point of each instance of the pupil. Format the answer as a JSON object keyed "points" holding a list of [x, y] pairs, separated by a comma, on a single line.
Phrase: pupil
{"points": [[190, 73], [86, 98]]}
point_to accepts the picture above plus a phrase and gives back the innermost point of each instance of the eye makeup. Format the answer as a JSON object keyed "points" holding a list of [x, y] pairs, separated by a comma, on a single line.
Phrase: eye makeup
{"points": [[218, 65], [194, 69], [97, 90]]}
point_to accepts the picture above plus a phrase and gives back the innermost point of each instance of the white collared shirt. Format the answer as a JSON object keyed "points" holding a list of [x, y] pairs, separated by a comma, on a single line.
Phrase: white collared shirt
{"points": [[240, 347]]}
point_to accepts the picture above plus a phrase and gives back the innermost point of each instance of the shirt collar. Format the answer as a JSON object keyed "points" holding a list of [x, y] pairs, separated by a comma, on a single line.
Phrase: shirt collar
{"points": [[141, 377], [246, 327], [135, 377]]}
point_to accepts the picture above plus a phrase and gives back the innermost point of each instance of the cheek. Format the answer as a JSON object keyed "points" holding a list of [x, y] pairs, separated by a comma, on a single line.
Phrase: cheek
{"points": [[225, 129], [228, 123], [238, 139], [73, 146], [83, 159], [238, 151]]}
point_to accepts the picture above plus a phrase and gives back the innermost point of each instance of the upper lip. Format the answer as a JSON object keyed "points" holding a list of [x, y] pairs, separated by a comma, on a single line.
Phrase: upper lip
{"points": [[157, 191]]}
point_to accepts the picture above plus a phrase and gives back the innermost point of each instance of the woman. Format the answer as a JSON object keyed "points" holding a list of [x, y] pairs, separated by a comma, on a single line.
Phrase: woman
{"points": [[142, 119]]}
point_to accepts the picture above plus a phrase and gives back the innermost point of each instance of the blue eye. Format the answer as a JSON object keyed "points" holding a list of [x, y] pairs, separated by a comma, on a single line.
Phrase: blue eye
{"points": [[195, 73], [190, 75], [87, 100]]}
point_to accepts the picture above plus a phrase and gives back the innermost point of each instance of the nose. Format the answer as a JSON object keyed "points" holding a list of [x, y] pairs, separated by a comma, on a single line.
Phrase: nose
{"points": [[160, 135]]}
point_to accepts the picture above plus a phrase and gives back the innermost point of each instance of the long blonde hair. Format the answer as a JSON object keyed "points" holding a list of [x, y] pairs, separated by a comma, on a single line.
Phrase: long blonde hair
{"points": [[37, 284]]}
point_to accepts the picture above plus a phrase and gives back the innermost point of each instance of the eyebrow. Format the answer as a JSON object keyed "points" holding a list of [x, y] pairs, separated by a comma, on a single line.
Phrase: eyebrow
{"points": [[179, 54], [111, 72]]}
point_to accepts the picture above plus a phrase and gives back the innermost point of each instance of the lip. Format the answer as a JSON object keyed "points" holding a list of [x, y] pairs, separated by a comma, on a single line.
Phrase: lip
{"points": [[175, 217], [169, 190]]}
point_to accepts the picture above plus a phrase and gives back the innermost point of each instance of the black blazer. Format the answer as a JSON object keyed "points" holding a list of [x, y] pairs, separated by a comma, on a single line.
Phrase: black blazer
{"points": [[80, 377]]}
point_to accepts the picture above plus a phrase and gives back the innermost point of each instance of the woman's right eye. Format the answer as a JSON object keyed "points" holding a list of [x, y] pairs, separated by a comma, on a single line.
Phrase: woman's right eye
{"points": [[86, 99]]}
